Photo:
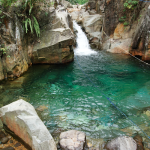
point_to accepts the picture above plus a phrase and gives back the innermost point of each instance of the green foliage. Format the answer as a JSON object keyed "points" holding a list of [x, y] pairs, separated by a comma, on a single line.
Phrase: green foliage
{"points": [[126, 23], [36, 27], [131, 4], [30, 23], [77, 1], [6, 3], [122, 19], [3, 50]]}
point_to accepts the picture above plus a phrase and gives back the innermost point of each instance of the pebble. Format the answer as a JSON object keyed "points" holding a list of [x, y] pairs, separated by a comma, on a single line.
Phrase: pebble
{"points": [[2, 134], [4, 140], [9, 137], [11, 141], [8, 148], [17, 145]]}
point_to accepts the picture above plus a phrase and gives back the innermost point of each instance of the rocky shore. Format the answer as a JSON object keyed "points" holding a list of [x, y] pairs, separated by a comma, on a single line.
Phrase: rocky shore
{"points": [[19, 119]]}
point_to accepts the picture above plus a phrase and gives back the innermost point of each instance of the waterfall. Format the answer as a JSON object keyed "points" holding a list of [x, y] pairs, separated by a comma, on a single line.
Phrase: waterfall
{"points": [[83, 47]]}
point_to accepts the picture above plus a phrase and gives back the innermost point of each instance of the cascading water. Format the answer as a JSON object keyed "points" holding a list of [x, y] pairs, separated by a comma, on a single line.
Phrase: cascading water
{"points": [[83, 47]]}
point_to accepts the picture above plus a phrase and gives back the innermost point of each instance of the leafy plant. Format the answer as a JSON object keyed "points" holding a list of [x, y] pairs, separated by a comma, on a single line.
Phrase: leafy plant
{"points": [[122, 19], [78, 1], [126, 23], [6, 3], [130, 4], [30, 22], [3, 50]]}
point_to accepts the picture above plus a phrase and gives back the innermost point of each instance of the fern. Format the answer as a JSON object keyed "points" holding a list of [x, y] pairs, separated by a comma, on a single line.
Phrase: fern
{"points": [[36, 27]]}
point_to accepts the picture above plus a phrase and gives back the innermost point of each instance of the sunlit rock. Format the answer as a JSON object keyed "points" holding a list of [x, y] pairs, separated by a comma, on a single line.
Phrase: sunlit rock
{"points": [[122, 143], [72, 140], [21, 118]]}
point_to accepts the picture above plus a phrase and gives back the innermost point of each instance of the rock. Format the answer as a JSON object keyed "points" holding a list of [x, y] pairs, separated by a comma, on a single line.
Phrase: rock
{"points": [[8, 148], [41, 108], [147, 113], [56, 40], [11, 141], [92, 23], [74, 15], [17, 145], [1, 70], [94, 144], [139, 142], [72, 140], [54, 47], [2, 134], [122, 143], [21, 118], [1, 124], [4, 140], [67, 4], [121, 46]]}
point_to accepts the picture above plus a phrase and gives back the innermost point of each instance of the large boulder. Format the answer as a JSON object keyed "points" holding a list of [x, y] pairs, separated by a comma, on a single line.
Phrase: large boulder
{"points": [[120, 46], [72, 140], [92, 23], [55, 43], [55, 46], [122, 143], [21, 118]]}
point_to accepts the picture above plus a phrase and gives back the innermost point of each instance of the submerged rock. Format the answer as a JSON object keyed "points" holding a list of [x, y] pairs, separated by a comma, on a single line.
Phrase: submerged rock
{"points": [[72, 140], [122, 143], [21, 118]]}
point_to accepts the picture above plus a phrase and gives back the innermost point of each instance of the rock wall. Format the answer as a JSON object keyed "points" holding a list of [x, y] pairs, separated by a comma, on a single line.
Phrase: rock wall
{"points": [[20, 50], [14, 58]]}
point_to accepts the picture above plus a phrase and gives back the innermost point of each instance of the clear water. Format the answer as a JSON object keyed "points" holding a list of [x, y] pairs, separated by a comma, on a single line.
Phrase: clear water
{"points": [[75, 103]]}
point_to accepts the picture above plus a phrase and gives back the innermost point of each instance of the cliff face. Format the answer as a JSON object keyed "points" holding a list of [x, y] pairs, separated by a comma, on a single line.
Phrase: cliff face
{"points": [[14, 58], [19, 50], [127, 29]]}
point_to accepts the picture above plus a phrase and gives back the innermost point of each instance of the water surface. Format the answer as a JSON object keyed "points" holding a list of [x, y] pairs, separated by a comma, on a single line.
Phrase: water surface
{"points": [[74, 102]]}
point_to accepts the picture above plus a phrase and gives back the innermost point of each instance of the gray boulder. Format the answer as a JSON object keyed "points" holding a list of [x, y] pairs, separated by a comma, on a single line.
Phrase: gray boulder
{"points": [[72, 140], [122, 143], [21, 118], [55, 43], [92, 23]]}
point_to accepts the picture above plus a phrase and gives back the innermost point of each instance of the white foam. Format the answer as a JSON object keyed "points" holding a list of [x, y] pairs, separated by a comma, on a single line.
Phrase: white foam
{"points": [[83, 47]]}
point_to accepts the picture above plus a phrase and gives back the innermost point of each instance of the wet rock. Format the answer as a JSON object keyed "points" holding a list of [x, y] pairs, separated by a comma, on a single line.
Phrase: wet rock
{"points": [[122, 143], [41, 108], [94, 144], [8, 148], [11, 141], [1, 124], [17, 145], [4, 140], [21, 118], [147, 113], [2, 134], [139, 142], [72, 140]]}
